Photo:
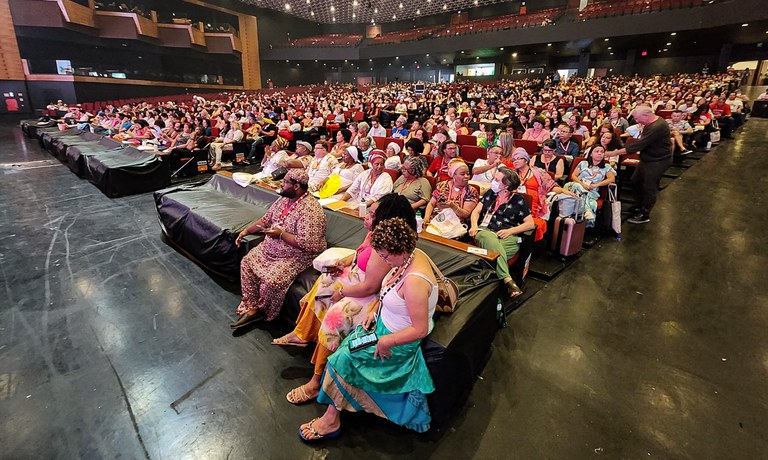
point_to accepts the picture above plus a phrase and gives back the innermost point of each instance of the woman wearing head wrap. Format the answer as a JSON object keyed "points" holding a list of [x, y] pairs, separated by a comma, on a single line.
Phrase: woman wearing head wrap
{"points": [[393, 156], [371, 184], [412, 184], [537, 183], [455, 193], [349, 168], [275, 155]]}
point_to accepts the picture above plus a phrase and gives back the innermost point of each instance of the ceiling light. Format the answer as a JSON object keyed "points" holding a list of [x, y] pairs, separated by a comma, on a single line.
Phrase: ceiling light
{"points": [[462, 52], [375, 10], [370, 60], [346, 60], [312, 13], [418, 11], [287, 60], [397, 57], [549, 44], [744, 25], [501, 49], [394, 16], [477, 57], [475, 2], [390, 63], [400, 6], [514, 54], [333, 8], [610, 47], [445, 7], [402, 66], [353, 16], [673, 34], [333, 19], [315, 60], [666, 49], [611, 54], [605, 40], [353, 3], [287, 6]]}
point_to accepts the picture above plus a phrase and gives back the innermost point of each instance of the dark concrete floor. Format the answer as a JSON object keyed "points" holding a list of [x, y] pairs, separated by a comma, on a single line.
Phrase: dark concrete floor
{"points": [[113, 345]]}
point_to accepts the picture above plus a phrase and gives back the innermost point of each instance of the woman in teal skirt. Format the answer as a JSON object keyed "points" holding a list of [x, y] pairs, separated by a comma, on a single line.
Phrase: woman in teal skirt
{"points": [[388, 378]]}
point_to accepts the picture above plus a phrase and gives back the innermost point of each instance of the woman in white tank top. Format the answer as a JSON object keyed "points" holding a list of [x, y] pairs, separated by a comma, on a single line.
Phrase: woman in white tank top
{"points": [[390, 377]]}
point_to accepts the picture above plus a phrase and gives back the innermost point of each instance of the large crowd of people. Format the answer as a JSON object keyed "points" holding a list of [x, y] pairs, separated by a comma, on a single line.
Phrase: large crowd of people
{"points": [[401, 153]]}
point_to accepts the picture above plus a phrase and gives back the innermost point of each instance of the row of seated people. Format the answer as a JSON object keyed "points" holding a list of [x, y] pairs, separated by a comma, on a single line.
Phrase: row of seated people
{"points": [[341, 308]]}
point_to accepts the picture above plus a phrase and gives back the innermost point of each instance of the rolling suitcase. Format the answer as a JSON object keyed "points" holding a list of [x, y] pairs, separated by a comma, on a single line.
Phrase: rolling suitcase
{"points": [[568, 234]]}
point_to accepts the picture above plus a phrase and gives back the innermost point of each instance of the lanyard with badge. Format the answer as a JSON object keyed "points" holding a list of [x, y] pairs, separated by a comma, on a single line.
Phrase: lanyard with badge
{"points": [[364, 338]]}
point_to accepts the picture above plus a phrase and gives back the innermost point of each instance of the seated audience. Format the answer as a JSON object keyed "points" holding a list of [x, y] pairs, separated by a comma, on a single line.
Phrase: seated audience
{"points": [[680, 131], [455, 193], [412, 184], [321, 166], [502, 215], [294, 229], [355, 284], [484, 169], [393, 156], [588, 177], [439, 167], [537, 183], [548, 161], [536, 132], [565, 144], [394, 388], [371, 184]]}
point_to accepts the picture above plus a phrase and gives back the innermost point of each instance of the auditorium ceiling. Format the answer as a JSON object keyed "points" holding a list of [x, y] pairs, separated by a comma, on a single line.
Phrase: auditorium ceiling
{"points": [[367, 11]]}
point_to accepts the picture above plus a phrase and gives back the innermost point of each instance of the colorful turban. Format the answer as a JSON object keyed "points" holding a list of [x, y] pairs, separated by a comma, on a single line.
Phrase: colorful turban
{"points": [[454, 166], [298, 176], [376, 153], [280, 142]]}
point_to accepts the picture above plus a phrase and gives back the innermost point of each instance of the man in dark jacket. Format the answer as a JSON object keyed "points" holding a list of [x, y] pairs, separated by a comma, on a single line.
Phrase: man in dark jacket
{"points": [[655, 148]]}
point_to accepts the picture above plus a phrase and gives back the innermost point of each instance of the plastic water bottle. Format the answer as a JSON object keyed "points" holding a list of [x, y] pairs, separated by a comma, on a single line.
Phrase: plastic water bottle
{"points": [[363, 209], [419, 221]]}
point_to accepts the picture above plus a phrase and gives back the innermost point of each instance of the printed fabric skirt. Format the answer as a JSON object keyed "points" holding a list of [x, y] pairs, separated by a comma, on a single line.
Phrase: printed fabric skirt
{"points": [[394, 389]]}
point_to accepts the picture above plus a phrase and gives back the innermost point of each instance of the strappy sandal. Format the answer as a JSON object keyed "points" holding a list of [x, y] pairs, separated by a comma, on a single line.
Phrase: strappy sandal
{"points": [[285, 342], [299, 396], [514, 290], [317, 437]]}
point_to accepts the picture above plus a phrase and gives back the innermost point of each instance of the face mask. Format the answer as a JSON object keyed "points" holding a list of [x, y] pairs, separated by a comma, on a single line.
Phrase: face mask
{"points": [[495, 186]]}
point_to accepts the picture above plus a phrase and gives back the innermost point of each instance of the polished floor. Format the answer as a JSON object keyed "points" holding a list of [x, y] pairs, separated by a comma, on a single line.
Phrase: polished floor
{"points": [[114, 345]]}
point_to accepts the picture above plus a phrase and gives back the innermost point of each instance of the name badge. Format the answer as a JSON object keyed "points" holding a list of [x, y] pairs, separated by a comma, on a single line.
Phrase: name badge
{"points": [[522, 189]]}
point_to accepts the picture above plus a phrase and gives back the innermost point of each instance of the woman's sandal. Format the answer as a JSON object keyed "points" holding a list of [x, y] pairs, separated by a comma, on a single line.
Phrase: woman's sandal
{"points": [[317, 437], [284, 341], [299, 396]]}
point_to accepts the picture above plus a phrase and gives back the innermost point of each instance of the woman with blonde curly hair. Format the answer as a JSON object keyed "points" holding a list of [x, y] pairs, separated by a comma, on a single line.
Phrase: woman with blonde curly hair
{"points": [[389, 377]]}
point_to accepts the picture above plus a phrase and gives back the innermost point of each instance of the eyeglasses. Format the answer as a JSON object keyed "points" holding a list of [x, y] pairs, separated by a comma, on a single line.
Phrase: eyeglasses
{"points": [[547, 150]]}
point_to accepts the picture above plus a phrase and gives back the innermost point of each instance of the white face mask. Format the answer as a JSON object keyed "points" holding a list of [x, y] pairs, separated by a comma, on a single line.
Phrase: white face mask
{"points": [[495, 186]]}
